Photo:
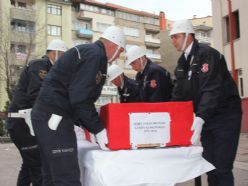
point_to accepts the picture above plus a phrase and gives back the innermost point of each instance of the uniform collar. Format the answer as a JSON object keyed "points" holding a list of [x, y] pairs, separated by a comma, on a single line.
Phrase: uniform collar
{"points": [[188, 49], [100, 44], [147, 64]]}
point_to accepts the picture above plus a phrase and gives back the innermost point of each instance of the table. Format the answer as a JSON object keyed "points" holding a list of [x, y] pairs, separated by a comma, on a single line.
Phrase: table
{"points": [[143, 167]]}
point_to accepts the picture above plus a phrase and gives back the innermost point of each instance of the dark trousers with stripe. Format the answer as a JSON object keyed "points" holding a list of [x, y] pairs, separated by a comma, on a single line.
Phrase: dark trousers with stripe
{"points": [[27, 145], [58, 150]]}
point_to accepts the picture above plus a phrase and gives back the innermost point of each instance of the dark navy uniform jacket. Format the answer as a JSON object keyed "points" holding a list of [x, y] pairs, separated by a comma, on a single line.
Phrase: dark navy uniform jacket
{"points": [[130, 91], [74, 84], [205, 79], [28, 86], [155, 84]]}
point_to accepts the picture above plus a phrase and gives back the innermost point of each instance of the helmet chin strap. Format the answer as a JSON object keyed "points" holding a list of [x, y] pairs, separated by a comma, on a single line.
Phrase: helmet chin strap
{"points": [[122, 81], [56, 58], [142, 64], [114, 55], [184, 42]]}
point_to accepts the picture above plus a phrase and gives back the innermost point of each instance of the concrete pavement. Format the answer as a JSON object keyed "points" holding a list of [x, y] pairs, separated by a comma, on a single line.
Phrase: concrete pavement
{"points": [[10, 162], [240, 166]]}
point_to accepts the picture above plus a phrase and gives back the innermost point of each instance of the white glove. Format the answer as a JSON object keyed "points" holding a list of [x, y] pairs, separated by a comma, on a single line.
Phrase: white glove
{"points": [[92, 138], [27, 117], [102, 139], [197, 128], [54, 121]]}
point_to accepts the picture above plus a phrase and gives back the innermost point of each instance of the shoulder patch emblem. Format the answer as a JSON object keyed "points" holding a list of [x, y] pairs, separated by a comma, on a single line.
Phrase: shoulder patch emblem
{"points": [[153, 83], [204, 68], [42, 74]]}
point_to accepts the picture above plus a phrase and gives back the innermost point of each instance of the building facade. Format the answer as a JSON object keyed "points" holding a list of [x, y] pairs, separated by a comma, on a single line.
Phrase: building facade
{"points": [[34, 23], [236, 58], [91, 18]]}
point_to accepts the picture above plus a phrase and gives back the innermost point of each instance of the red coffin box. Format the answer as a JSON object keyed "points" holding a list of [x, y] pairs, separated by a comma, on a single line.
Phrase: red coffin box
{"points": [[116, 118]]}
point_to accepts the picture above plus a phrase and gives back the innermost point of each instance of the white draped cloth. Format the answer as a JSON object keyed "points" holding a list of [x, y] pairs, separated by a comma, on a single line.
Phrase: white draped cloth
{"points": [[143, 167]]}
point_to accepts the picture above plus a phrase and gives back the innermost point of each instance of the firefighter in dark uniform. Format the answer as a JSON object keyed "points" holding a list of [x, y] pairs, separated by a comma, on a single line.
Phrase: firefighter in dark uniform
{"points": [[24, 98], [155, 84], [68, 94], [130, 92], [202, 76]]}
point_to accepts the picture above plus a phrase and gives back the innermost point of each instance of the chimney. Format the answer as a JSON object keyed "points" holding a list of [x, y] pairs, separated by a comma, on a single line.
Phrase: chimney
{"points": [[162, 21]]}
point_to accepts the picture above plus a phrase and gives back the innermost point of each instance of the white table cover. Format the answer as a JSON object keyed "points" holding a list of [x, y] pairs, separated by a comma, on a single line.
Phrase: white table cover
{"points": [[143, 167]]}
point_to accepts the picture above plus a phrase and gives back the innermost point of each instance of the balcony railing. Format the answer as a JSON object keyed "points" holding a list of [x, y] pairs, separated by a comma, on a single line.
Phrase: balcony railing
{"points": [[27, 14], [152, 40], [85, 33], [154, 56], [203, 39]]}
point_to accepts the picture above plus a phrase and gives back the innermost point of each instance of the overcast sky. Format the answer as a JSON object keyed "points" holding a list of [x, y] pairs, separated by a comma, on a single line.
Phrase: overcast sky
{"points": [[173, 9]]}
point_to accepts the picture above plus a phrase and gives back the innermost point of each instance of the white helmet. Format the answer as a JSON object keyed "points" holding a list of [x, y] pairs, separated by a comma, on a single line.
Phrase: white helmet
{"points": [[134, 53], [57, 44], [182, 26], [113, 72], [115, 35]]}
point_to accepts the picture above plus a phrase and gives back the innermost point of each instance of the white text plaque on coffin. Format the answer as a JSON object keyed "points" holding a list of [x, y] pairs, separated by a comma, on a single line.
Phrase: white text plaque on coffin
{"points": [[149, 128]]}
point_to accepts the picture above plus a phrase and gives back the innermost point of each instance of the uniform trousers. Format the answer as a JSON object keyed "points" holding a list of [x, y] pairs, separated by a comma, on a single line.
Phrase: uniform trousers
{"points": [[220, 138], [58, 150], [28, 147]]}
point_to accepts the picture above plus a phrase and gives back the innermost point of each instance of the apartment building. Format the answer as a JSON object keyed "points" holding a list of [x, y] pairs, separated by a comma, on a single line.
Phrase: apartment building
{"points": [[3, 52], [34, 23], [222, 40], [91, 18], [203, 27], [29, 26]]}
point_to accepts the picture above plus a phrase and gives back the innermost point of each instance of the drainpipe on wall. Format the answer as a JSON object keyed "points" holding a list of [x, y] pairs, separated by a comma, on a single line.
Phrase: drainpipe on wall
{"points": [[232, 32]]}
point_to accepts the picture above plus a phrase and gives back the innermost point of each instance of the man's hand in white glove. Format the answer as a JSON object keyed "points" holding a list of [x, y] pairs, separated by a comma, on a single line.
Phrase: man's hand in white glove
{"points": [[197, 128], [27, 117], [102, 139]]}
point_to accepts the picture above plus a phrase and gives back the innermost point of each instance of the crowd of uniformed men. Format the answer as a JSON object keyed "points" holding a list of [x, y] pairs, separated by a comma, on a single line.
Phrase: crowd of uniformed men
{"points": [[62, 87]]}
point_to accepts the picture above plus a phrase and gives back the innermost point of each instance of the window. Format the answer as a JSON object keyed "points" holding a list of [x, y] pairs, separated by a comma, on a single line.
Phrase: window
{"points": [[21, 48], [81, 25], [53, 9], [12, 2], [236, 26], [102, 26], [96, 9], [22, 26], [131, 31], [54, 30], [21, 4]]}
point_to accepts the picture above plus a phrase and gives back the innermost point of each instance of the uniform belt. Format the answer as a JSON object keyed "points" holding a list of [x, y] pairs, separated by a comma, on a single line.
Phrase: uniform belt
{"points": [[15, 115]]}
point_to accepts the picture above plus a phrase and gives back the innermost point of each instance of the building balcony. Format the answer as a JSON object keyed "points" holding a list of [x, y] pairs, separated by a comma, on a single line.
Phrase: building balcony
{"points": [[84, 33], [203, 39], [27, 14], [152, 28], [81, 16], [21, 36], [152, 39], [154, 57], [153, 42]]}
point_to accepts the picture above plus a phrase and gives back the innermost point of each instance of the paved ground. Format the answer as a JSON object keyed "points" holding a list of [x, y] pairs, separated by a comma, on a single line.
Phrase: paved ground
{"points": [[10, 163], [240, 165]]}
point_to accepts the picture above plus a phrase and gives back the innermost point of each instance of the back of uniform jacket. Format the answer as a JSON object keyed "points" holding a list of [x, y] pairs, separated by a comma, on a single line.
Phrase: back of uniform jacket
{"points": [[74, 84], [29, 84]]}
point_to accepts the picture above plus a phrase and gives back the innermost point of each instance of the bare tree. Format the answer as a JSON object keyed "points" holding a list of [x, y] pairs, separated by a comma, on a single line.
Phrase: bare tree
{"points": [[27, 36], [5, 54]]}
